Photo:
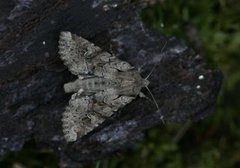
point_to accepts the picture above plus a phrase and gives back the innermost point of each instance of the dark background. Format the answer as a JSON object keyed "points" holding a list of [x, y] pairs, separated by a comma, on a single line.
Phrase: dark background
{"points": [[213, 29]]}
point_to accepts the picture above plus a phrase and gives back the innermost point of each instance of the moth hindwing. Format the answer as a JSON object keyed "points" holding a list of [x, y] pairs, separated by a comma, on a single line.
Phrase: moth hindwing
{"points": [[104, 85]]}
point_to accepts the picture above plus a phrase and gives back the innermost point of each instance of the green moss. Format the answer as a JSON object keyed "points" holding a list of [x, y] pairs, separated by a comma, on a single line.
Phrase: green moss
{"points": [[31, 156]]}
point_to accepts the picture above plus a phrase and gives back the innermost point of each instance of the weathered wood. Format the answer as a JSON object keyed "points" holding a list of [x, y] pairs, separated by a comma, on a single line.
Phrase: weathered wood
{"points": [[32, 75]]}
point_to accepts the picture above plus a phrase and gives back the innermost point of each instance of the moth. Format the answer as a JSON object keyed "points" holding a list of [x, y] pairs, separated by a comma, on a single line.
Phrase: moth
{"points": [[104, 85]]}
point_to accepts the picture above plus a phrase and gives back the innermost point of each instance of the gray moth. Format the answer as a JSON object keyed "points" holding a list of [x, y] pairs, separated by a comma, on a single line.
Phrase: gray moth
{"points": [[104, 85]]}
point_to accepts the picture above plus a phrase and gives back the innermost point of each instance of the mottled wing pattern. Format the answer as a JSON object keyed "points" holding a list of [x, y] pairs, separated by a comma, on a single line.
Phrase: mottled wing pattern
{"points": [[105, 85], [84, 113], [75, 52], [83, 57], [75, 119]]}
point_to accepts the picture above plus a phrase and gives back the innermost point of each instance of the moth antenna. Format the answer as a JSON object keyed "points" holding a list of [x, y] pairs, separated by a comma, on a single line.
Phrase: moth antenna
{"points": [[150, 72], [154, 100], [155, 64], [163, 46]]}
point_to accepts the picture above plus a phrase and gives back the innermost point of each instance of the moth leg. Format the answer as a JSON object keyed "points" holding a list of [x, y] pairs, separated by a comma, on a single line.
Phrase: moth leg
{"points": [[142, 95]]}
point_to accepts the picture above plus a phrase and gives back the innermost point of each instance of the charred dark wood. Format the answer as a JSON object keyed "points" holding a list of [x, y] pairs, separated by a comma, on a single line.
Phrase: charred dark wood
{"points": [[32, 75]]}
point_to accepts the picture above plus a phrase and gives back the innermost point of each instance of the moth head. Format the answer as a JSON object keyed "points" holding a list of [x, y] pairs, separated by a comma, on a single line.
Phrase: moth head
{"points": [[146, 82], [137, 79]]}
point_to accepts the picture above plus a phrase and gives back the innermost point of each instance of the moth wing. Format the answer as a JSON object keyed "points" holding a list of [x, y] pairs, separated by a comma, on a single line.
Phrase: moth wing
{"points": [[72, 121], [79, 117], [110, 101], [81, 56], [76, 52], [120, 65]]}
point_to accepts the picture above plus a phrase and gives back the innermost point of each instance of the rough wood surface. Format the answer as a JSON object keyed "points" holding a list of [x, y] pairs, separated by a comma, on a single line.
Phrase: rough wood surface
{"points": [[32, 75]]}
